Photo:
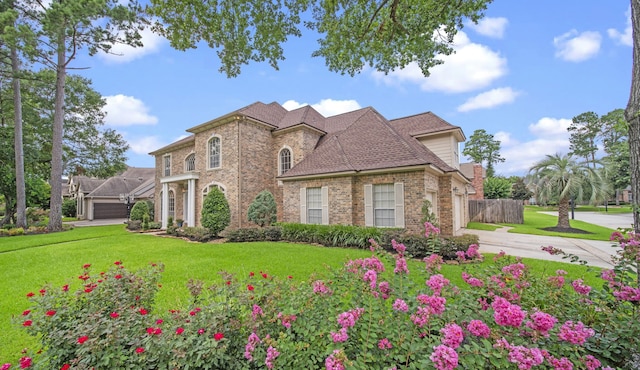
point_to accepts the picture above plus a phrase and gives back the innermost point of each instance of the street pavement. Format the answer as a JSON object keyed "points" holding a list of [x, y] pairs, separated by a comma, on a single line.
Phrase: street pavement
{"points": [[596, 253]]}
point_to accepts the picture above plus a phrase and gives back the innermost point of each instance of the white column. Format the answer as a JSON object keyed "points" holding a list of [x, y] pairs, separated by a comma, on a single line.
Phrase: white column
{"points": [[165, 204], [191, 198]]}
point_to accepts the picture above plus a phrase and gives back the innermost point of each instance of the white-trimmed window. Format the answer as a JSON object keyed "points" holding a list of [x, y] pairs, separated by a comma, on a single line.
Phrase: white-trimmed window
{"points": [[190, 162], [166, 165], [284, 160], [384, 205], [172, 204], [214, 153], [211, 186], [314, 205]]}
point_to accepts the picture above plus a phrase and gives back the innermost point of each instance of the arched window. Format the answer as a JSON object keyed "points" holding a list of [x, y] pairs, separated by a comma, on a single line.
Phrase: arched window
{"points": [[208, 188], [172, 204], [284, 160], [214, 152], [190, 162]]}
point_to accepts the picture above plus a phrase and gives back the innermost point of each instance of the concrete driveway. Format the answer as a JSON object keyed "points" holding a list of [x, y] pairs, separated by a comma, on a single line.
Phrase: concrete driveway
{"points": [[113, 221], [596, 253]]}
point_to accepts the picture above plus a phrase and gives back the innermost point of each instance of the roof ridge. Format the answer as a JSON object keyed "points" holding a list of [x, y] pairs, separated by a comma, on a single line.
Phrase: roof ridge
{"points": [[344, 156]]}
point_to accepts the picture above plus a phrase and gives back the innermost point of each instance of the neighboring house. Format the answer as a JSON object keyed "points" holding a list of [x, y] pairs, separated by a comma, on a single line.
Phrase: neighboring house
{"points": [[476, 173], [356, 168], [101, 198]]}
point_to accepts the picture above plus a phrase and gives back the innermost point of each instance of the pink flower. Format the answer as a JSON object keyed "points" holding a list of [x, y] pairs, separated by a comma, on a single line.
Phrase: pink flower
{"points": [[524, 357], [114, 315], [575, 333], [50, 313], [335, 361], [479, 329], [65, 288], [434, 304], [117, 263], [453, 335], [30, 294], [437, 282], [143, 311], [507, 314], [475, 282], [27, 323], [371, 277], [430, 230], [461, 255], [349, 318], [64, 367], [472, 251], [118, 276], [591, 362], [542, 322], [139, 350], [516, 270], [384, 344], [159, 322], [26, 312], [433, 262], [401, 266], [580, 288], [250, 287], [6, 366], [444, 358], [560, 364], [319, 287], [201, 331], [252, 342], [179, 331], [272, 354], [257, 311], [400, 305], [25, 362], [82, 339], [287, 319], [384, 288], [218, 336], [340, 336]]}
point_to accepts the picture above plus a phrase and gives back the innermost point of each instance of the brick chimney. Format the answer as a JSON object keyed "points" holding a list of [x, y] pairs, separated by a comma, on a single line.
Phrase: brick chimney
{"points": [[477, 182]]}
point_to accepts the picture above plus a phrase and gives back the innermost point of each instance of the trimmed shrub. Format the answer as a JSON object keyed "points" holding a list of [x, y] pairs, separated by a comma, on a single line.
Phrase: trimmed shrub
{"points": [[69, 208], [263, 209], [134, 225], [216, 214], [331, 235], [196, 234], [139, 210], [252, 234]]}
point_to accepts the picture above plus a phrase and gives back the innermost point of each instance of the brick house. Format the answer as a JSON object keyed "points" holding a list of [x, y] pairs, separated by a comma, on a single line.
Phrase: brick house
{"points": [[356, 168]]}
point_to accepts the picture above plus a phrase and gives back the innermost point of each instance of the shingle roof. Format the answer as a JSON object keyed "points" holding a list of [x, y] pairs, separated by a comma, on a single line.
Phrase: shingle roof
{"points": [[189, 140], [422, 124], [125, 183], [367, 141], [87, 184]]}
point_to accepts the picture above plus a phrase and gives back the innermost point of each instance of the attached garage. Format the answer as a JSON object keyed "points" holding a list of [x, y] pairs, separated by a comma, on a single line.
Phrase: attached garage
{"points": [[109, 210]]}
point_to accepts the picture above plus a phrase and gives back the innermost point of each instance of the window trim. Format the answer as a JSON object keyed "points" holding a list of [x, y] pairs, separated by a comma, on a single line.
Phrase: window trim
{"points": [[171, 206], [324, 205], [166, 170], [398, 198], [187, 162], [280, 161], [209, 164], [207, 188]]}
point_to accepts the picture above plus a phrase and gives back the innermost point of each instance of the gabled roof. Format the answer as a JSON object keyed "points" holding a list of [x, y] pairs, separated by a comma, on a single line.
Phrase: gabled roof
{"points": [[86, 184], [425, 124], [125, 183], [367, 141], [189, 140]]}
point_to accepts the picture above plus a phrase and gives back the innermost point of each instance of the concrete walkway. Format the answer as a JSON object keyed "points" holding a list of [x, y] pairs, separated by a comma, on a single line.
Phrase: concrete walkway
{"points": [[113, 221], [596, 253]]}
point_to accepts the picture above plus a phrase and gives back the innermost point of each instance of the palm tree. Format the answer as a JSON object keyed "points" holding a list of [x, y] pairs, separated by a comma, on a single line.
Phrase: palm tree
{"points": [[562, 177]]}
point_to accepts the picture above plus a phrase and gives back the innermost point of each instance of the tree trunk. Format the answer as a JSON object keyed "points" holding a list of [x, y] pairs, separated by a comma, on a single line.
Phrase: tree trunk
{"points": [[632, 115], [21, 201], [563, 214], [55, 210]]}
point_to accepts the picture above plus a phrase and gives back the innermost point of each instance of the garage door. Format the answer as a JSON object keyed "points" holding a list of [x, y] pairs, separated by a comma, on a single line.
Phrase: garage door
{"points": [[109, 210]]}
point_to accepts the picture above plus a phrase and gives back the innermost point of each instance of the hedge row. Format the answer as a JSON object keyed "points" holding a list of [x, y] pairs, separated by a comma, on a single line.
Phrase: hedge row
{"points": [[355, 237]]}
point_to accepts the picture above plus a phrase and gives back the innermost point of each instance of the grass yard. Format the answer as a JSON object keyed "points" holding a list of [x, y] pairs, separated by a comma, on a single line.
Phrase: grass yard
{"points": [[535, 222], [29, 262]]}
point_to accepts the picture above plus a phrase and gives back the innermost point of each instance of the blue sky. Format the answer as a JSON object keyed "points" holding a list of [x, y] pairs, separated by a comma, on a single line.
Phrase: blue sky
{"points": [[521, 75]]}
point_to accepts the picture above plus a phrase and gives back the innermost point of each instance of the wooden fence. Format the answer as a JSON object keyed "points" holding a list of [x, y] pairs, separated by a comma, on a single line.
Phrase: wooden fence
{"points": [[496, 211]]}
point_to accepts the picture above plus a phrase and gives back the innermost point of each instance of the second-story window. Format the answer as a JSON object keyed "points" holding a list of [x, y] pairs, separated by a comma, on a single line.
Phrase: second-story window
{"points": [[190, 163], [285, 160], [166, 165], [214, 152]]}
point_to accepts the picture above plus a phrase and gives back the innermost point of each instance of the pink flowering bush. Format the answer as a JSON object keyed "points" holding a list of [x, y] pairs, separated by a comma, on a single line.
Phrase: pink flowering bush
{"points": [[367, 315]]}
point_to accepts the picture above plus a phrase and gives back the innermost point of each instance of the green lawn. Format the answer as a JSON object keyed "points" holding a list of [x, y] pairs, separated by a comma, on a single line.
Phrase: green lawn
{"points": [[535, 222], [29, 262]]}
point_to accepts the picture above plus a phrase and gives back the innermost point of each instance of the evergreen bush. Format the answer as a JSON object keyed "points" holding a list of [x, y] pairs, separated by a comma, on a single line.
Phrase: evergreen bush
{"points": [[216, 214], [139, 210], [263, 210]]}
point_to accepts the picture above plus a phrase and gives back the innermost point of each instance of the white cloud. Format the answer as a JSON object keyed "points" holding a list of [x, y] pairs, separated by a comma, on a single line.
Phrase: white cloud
{"points": [[489, 99], [472, 67], [125, 110], [626, 37], [548, 136], [145, 145], [574, 47], [326, 107], [551, 127], [490, 27], [121, 53]]}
